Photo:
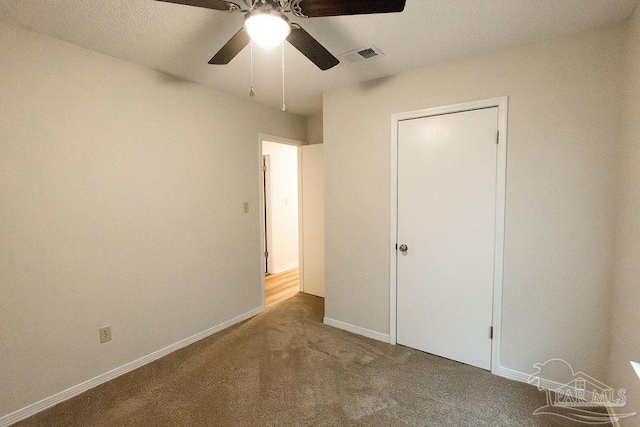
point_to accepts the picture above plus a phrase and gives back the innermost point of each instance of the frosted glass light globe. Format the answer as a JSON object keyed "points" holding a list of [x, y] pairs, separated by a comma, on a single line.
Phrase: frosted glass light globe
{"points": [[267, 28]]}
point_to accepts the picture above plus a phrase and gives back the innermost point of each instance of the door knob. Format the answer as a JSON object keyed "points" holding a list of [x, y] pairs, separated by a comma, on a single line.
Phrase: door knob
{"points": [[403, 248]]}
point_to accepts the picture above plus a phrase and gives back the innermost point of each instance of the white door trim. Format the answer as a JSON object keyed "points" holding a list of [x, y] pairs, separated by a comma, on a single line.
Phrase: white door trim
{"points": [[278, 139], [502, 104]]}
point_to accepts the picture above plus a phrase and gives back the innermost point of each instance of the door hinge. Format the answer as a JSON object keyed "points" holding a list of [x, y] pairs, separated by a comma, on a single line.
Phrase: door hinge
{"points": [[264, 168], [266, 254], [497, 137], [490, 332]]}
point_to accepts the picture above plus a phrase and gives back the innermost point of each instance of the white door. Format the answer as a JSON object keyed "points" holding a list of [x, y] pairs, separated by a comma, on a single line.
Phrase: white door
{"points": [[312, 166], [447, 218]]}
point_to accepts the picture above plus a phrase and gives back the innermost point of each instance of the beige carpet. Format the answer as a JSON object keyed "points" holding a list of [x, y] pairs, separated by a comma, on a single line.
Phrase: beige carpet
{"points": [[285, 368]]}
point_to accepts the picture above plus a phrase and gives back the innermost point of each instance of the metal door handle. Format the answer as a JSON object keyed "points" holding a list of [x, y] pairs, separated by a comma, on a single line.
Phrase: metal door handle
{"points": [[403, 248]]}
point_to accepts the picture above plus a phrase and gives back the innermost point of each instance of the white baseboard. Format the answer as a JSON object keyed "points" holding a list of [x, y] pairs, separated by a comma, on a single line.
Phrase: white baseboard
{"points": [[524, 378], [285, 268], [50, 401], [357, 330], [544, 383]]}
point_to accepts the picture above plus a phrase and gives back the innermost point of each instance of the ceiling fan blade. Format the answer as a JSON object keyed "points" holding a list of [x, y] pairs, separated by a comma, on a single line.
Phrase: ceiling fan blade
{"points": [[207, 4], [231, 49], [318, 8], [310, 48]]}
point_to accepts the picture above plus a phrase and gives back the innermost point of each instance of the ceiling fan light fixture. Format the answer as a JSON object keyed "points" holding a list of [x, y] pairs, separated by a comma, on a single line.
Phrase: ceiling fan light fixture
{"points": [[267, 27]]}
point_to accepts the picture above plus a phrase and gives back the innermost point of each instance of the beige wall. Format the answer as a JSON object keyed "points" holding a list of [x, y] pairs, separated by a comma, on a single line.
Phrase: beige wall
{"points": [[564, 117], [314, 129], [121, 193], [625, 333]]}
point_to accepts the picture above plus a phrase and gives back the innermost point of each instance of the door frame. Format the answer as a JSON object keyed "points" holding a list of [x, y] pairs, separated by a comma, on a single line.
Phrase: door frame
{"points": [[502, 104], [266, 137], [266, 180]]}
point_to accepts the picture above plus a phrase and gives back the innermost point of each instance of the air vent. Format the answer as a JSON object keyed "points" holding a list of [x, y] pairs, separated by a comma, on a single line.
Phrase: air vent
{"points": [[361, 54]]}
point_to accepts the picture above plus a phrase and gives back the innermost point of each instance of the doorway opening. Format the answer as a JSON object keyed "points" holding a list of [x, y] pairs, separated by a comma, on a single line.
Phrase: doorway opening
{"points": [[281, 217], [292, 218]]}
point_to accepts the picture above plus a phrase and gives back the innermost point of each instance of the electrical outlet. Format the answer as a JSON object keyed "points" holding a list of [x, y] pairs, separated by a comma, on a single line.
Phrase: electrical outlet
{"points": [[105, 334]]}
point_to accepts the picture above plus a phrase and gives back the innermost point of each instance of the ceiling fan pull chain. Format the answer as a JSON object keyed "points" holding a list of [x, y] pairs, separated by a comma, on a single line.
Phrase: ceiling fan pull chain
{"points": [[284, 107], [251, 92]]}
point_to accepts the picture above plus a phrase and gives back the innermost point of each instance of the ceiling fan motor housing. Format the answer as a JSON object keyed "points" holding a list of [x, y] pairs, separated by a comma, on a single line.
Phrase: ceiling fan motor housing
{"points": [[266, 26]]}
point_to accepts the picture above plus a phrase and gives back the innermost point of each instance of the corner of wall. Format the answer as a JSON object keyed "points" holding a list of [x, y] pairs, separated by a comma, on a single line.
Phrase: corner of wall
{"points": [[625, 340], [314, 129]]}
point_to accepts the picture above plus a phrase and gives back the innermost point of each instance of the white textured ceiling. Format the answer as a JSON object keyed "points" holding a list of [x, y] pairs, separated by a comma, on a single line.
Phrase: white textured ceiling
{"points": [[180, 40]]}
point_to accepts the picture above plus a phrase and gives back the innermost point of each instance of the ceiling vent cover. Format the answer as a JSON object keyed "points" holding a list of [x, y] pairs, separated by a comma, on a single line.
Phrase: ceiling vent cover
{"points": [[361, 54]]}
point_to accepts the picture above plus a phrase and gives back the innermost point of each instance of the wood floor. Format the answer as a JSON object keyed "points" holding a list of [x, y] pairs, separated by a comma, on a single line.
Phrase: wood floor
{"points": [[279, 287]]}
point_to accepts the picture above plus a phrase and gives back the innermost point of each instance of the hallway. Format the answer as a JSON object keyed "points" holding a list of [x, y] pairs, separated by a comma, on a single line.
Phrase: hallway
{"points": [[279, 287]]}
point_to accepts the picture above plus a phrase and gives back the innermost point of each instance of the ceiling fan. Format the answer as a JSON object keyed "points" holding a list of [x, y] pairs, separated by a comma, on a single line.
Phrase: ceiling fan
{"points": [[266, 23]]}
